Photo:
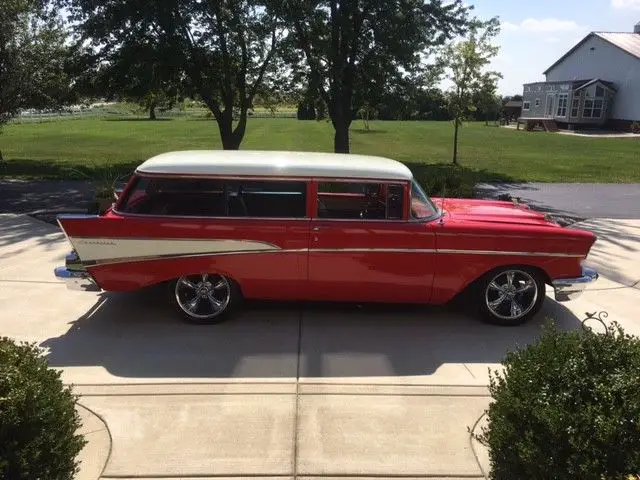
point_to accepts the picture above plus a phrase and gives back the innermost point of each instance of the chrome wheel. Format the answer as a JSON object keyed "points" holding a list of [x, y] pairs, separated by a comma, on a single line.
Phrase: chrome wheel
{"points": [[203, 297], [511, 294]]}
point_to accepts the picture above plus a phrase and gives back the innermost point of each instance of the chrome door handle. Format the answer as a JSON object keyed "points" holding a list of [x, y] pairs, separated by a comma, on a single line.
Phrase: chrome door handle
{"points": [[316, 229]]}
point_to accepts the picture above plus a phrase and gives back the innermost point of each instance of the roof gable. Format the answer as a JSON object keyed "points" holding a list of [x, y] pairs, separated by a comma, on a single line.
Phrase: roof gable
{"points": [[627, 42], [606, 85]]}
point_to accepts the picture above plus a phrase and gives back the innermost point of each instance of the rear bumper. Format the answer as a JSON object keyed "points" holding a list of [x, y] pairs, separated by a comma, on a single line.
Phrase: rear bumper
{"points": [[77, 280], [75, 275], [571, 288]]}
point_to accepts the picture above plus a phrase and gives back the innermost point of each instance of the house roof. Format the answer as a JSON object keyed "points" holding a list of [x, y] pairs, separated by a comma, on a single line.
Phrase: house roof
{"points": [[605, 84], [274, 164], [629, 42], [513, 104]]}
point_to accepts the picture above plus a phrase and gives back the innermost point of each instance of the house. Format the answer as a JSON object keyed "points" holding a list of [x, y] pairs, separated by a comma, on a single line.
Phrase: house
{"points": [[596, 83], [512, 109]]}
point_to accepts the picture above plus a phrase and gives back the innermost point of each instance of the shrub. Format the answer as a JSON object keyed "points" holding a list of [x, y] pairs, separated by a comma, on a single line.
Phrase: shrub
{"points": [[635, 127], [38, 420], [567, 407], [443, 180]]}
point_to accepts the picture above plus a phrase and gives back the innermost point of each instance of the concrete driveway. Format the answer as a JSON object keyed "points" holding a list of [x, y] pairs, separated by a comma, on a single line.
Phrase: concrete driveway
{"points": [[283, 390]]}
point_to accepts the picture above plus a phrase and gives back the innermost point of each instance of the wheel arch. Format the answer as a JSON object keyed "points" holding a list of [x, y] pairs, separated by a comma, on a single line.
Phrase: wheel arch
{"points": [[471, 284]]}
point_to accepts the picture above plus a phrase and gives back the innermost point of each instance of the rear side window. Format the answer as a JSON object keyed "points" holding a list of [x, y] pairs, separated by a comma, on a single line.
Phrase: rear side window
{"points": [[216, 198]]}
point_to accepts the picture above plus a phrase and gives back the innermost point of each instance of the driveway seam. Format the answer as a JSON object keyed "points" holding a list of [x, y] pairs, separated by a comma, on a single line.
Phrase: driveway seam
{"points": [[472, 432], [106, 428], [296, 413]]}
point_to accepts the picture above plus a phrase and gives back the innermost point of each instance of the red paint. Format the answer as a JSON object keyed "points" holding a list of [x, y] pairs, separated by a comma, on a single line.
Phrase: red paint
{"points": [[408, 261]]}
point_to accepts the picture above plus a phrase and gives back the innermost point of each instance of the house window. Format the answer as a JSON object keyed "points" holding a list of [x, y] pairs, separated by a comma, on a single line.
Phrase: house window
{"points": [[360, 201], [599, 91], [575, 107], [563, 99], [537, 102], [593, 108], [526, 106]]}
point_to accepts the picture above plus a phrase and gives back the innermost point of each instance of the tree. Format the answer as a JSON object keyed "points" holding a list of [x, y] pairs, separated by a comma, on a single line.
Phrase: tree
{"points": [[226, 48], [465, 64], [143, 73], [33, 57], [349, 43], [486, 102]]}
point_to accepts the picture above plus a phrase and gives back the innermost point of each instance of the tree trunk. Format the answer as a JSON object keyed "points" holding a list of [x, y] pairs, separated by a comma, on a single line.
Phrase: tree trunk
{"points": [[152, 112], [341, 137], [232, 138], [455, 141]]}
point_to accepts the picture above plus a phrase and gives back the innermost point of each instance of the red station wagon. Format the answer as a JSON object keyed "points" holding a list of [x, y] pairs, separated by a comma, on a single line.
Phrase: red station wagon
{"points": [[220, 226]]}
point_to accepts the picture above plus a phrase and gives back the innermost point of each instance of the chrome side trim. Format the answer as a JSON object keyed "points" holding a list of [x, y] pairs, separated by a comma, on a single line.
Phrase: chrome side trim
{"points": [[112, 261], [571, 288], [170, 256], [375, 250], [77, 280], [510, 254], [146, 258]]}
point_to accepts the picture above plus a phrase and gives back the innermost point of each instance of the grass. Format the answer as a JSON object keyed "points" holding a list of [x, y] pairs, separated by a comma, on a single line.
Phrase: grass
{"points": [[60, 148]]}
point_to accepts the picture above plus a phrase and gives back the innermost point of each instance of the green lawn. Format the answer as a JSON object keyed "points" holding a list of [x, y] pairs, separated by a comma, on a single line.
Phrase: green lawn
{"points": [[56, 149]]}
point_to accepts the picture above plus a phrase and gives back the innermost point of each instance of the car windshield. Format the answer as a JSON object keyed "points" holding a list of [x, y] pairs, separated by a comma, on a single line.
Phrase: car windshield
{"points": [[421, 205]]}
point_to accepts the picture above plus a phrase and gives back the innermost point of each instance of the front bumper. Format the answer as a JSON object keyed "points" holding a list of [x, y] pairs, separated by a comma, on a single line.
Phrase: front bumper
{"points": [[571, 288], [75, 275]]}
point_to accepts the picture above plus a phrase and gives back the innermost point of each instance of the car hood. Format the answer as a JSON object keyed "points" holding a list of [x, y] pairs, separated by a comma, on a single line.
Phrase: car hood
{"points": [[492, 211]]}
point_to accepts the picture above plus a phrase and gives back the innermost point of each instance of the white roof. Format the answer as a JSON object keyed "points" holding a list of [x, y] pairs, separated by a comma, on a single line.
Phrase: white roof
{"points": [[281, 164]]}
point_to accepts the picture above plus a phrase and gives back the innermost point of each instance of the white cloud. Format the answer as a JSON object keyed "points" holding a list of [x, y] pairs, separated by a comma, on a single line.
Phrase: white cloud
{"points": [[551, 39], [546, 25], [626, 4]]}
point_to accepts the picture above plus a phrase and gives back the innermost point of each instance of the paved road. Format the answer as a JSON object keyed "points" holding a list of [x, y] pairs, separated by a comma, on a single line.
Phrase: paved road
{"points": [[579, 200], [28, 196]]}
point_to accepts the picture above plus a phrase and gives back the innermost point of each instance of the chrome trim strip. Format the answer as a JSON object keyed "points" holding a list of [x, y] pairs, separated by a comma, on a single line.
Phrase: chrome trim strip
{"points": [[375, 250], [276, 249], [509, 254], [171, 256]]}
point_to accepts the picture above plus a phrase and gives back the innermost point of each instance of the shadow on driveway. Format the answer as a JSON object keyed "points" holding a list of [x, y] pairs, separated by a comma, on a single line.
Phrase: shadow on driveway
{"points": [[139, 335]]}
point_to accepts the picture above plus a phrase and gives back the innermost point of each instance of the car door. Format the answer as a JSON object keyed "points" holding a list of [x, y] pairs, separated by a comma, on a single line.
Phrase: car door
{"points": [[363, 248]]}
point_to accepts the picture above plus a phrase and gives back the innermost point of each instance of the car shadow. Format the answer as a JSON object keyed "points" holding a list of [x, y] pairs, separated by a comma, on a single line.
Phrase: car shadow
{"points": [[136, 336]]}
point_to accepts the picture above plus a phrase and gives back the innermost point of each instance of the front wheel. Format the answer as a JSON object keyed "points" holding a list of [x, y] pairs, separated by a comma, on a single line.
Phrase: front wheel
{"points": [[510, 296], [205, 298]]}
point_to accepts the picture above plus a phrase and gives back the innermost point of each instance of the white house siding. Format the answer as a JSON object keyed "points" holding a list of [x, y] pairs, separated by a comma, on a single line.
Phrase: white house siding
{"points": [[609, 63]]}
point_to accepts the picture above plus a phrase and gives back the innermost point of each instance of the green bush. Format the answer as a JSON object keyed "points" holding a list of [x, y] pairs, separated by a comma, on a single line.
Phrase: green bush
{"points": [[567, 407], [441, 180], [38, 420]]}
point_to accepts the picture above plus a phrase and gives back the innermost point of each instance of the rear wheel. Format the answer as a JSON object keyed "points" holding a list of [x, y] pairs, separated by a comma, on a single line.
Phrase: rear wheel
{"points": [[510, 296], [206, 298]]}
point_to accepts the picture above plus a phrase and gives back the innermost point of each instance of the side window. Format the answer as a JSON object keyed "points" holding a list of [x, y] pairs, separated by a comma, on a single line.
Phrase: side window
{"points": [[179, 197], [275, 199], [356, 201], [216, 198]]}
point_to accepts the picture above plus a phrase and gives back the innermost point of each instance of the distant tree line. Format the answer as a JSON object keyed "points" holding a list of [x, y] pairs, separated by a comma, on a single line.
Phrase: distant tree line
{"points": [[339, 60]]}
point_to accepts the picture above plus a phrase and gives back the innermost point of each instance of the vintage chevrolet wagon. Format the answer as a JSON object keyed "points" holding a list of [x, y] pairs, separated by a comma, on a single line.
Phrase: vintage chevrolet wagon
{"points": [[220, 226]]}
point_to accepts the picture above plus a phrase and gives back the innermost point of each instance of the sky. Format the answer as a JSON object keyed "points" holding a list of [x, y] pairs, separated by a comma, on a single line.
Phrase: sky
{"points": [[536, 33]]}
